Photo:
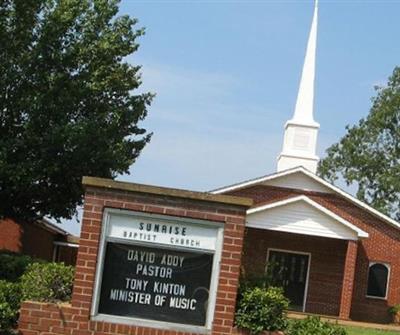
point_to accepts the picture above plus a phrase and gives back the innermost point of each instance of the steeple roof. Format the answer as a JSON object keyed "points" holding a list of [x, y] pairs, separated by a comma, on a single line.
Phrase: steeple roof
{"points": [[304, 110], [301, 132]]}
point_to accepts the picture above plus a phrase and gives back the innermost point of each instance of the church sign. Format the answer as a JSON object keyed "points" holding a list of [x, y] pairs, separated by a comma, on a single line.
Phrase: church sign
{"points": [[157, 269]]}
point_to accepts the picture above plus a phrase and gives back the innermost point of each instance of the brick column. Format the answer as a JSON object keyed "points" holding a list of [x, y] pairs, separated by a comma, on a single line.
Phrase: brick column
{"points": [[348, 280]]}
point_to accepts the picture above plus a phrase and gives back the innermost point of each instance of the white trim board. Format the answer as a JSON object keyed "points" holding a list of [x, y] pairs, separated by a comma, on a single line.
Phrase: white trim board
{"points": [[301, 215], [313, 177], [66, 244]]}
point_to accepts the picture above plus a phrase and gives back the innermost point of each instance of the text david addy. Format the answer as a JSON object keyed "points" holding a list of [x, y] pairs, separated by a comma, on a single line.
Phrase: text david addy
{"points": [[135, 289]]}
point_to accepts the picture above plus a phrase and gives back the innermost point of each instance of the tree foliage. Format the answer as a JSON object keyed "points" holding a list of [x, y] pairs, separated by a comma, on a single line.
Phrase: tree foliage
{"points": [[67, 107], [369, 153]]}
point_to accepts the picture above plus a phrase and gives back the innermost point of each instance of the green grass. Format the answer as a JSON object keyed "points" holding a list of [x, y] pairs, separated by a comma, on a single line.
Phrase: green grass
{"points": [[365, 331]]}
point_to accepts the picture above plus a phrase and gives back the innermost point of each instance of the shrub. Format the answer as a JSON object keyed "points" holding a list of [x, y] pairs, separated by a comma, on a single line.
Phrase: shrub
{"points": [[314, 326], [47, 282], [394, 309], [395, 312], [13, 265], [10, 298], [260, 309]]}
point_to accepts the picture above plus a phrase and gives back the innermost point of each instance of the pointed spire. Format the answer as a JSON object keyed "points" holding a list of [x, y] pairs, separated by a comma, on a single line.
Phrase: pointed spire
{"points": [[301, 132], [305, 99]]}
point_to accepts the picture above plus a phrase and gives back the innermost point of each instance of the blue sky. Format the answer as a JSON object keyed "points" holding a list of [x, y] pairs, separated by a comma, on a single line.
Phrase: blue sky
{"points": [[226, 75]]}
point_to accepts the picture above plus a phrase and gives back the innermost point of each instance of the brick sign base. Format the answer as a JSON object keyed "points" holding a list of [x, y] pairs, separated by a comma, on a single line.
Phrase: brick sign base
{"points": [[101, 195], [46, 319]]}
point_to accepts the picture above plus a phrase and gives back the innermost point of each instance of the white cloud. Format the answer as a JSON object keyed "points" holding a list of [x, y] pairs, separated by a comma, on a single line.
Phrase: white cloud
{"points": [[202, 162], [187, 83], [205, 133]]}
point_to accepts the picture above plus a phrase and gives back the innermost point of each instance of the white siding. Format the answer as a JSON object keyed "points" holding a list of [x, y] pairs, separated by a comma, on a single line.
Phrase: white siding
{"points": [[300, 218], [298, 181]]}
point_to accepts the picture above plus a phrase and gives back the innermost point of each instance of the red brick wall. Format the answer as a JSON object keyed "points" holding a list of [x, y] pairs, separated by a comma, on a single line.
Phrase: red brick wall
{"points": [[382, 245], [26, 238], [63, 319], [10, 235], [75, 319], [326, 268]]}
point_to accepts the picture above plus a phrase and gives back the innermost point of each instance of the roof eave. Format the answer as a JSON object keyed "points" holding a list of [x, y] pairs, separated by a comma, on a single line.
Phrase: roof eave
{"points": [[313, 176]]}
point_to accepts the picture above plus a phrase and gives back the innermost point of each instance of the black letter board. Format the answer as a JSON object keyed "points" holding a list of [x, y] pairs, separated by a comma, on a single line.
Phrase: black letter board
{"points": [[155, 283]]}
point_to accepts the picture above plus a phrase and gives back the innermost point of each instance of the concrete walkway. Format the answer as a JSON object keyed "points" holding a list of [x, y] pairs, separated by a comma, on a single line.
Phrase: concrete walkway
{"points": [[349, 323]]}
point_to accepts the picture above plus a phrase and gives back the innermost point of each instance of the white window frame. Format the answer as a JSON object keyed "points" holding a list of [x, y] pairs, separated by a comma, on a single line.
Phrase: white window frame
{"points": [[139, 322], [387, 265], [308, 269]]}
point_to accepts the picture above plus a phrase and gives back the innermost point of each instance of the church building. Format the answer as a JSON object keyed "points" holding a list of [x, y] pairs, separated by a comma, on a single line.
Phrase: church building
{"points": [[157, 260], [333, 254]]}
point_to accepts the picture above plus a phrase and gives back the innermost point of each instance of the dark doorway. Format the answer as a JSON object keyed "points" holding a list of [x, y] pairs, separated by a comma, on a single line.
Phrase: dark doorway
{"points": [[290, 271]]}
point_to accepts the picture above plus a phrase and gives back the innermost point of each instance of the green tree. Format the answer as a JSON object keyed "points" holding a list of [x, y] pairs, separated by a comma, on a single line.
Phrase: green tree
{"points": [[369, 153], [67, 107]]}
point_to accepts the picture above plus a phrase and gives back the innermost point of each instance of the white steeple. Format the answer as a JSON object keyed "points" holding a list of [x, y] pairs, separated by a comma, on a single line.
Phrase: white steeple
{"points": [[300, 140]]}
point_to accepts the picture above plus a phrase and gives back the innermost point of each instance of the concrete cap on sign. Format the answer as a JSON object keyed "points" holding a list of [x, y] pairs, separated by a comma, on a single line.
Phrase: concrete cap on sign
{"points": [[166, 191]]}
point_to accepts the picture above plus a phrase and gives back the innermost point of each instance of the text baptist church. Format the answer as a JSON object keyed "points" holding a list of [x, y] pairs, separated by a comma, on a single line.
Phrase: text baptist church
{"points": [[149, 231]]}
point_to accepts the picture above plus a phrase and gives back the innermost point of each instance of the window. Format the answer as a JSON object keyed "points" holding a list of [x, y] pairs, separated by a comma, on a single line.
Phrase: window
{"points": [[378, 278]]}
